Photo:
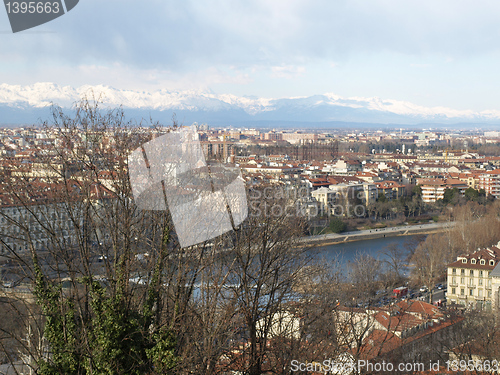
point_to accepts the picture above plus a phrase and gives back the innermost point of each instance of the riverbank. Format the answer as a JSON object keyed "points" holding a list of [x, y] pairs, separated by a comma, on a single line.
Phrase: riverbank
{"points": [[363, 235]]}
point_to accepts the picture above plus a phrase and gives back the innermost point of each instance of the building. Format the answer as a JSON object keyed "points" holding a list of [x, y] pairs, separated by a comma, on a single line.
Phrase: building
{"points": [[404, 331], [296, 138], [220, 150], [336, 197], [433, 188], [474, 279], [390, 189], [43, 217], [490, 182]]}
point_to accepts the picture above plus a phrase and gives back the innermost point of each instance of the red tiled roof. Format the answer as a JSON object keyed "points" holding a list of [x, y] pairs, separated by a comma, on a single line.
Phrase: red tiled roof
{"points": [[487, 254]]}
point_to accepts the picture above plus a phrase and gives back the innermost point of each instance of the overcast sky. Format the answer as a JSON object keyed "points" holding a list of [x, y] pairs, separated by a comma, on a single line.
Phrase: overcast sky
{"points": [[432, 53]]}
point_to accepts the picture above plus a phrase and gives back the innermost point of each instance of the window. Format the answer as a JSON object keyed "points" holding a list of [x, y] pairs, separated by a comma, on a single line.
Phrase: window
{"points": [[471, 282], [454, 271], [492, 262], [473, 261], [462, 280], [480, 293], [489, 293], [480, 273], [464, 260], [472, 272], [463, 272], [480, 281], [482, 261], [471, 292], [462, 291], [454, 280], [453, 290]]}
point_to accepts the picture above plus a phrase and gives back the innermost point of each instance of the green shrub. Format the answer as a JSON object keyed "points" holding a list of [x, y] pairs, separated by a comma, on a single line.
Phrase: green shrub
{"points": [[337, 225]]}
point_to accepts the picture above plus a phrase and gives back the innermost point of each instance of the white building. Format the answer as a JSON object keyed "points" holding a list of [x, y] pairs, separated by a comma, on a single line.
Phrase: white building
{"points": [[339, 194]]}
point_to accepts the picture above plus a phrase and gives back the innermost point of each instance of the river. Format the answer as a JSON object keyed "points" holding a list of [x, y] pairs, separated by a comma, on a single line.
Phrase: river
{"points": [[347, 251]]}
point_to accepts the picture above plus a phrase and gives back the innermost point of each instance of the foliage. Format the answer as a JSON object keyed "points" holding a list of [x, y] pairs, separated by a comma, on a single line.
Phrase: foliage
{"points": [[474, 226], [417, 190], [99, 323], [450, 196], [118, 335], [337, 225], [474, 195], [60, 328]]}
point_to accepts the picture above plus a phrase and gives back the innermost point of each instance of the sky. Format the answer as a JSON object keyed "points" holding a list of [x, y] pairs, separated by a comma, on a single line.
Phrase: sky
{"points": [[431, 53]]}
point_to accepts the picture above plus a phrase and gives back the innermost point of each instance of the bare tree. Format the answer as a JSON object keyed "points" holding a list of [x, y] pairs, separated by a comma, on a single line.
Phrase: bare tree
{"points": [[268, 265], [396, 261], [113, 289], [364, 274], [73, 235], [429, 261]]}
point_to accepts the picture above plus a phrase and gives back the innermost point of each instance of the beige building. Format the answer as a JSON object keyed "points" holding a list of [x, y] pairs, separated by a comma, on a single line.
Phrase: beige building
{"points": [[295, 138], [474, 279], [433, 188]]}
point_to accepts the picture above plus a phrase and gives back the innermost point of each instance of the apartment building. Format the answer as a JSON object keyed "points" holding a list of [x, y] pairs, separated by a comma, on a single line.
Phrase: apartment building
{"points": [[490, 182], [22, 226], [474, 279], [45, 215], [433, 189], [390, 189], [335, 197], [295, 138]]}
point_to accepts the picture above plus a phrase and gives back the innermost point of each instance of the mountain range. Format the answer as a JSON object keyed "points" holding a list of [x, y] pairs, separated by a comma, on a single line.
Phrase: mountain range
{"points": [[31, 105]]}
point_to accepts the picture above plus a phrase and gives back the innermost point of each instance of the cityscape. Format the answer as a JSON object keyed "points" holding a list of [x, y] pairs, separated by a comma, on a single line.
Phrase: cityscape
{"points": [[435, 192], [249, 188]]}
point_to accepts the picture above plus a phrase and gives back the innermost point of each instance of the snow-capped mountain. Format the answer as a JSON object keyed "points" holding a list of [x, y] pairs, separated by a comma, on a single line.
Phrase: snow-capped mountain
{"points": [[22, 104]]}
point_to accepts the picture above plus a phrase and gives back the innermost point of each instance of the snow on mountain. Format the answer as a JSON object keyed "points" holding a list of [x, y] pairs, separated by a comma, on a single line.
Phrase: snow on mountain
{"points": [[327, 107]]}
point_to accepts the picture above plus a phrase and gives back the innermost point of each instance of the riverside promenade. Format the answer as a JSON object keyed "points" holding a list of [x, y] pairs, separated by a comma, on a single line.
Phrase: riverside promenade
{"points": [[362, 235]]}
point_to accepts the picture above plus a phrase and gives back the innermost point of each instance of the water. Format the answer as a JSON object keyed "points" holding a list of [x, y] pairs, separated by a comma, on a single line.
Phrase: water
{"points": [[345, 252]]}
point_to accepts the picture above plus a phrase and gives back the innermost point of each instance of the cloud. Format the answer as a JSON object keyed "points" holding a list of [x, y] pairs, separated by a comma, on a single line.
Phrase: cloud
{"points": [[181, 35], [287, 71], [195, 44]]}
